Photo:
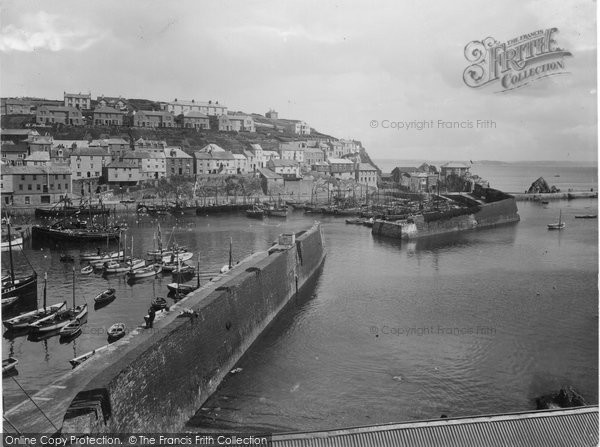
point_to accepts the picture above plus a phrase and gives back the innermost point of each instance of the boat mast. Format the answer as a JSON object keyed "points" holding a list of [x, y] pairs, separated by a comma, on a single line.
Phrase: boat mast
{"points": [[73, 288], [131, 261], [12, 269], [230, 253], [198, 273], [45, 281]]}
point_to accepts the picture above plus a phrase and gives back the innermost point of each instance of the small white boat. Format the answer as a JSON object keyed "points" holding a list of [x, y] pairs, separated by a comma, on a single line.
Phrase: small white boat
{"points": [[70, 329], [9, 364], [181, 288], [557, 225], [17, 241], [116, 331], [122, 267], [87, 270], [105, 296], [144, 272], [181, 256], [102, 256]]}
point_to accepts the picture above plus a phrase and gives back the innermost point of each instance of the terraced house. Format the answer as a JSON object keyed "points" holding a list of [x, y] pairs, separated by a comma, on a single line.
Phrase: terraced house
{"points": [[150, 118], [34, 185], [209, 108], [107, 116], [59, 115], [89, 162], [78, 100], [178, 162], [193, 119]]}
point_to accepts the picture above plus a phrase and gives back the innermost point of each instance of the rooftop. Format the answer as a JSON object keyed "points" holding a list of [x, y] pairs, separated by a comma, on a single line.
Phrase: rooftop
{"points": [[267, 173], [196, 103], [106, 109], [48, 169], [175, 152], [89, 151], [340, 161], [282, 163]]}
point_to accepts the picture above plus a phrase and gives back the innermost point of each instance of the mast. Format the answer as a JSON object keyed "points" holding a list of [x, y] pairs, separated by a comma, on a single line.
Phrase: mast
{"points": [[45, 281], [131, 261], [230, 253], [160, 248], [198, 273], [73, 288], [12, 269]]}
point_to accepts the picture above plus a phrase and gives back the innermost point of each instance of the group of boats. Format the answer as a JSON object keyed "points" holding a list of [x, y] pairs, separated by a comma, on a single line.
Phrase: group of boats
{"points": [[268, 209], [560, 224]]}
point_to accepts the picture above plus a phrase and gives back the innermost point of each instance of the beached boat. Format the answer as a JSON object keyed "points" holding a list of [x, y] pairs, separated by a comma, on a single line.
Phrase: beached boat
{"points": [[557, 225], [116, 331], [9, 365], [87, 270], [70, 329], [105, 296]]}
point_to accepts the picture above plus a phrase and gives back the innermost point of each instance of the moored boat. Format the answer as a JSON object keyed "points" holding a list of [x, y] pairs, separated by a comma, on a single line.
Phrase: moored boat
{"points": [[121, 267], [9, 365], [557, 225], [17, 241], [101, 256], [144, 272], [59, 320], [159, 303], [181, 288], [255, 212], [586, 216], [82, 358], [116, 331], [70, 329], [9, 301], [181, 256], [105, 296], [22, 321], [87, 269]]}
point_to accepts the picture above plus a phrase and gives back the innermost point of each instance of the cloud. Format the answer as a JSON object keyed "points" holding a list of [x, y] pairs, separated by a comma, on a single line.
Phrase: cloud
{"points": [[43, 31]]}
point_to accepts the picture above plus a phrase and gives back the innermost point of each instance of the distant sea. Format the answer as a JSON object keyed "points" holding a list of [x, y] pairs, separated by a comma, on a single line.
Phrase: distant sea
{"points": [[518, 176]]}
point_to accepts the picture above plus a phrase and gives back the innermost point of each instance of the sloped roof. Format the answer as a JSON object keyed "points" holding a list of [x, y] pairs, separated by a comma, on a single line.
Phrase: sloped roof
{"points": [[28, 169], [279, 163], [175, 152], [194, 114], [19, 147], [38, 156], [107, 109], [90, 151], [212, 147], [366, 167], [267, 173], [340, 161]]}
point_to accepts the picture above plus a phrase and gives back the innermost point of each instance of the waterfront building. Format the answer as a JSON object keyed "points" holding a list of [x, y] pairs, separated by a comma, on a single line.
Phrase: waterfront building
{"points": [[288, 169], [59, 115], [150, 165], [240, 163], [14, 154], [178, 162], [122, 173], [89, 162], [150, 118], [210, 108], [107, 116], [35, 185], [16, 106], [214, 160], [341, 168], [79, 101], [193, 119], [270, 181], [366, 174], [454, 168]]}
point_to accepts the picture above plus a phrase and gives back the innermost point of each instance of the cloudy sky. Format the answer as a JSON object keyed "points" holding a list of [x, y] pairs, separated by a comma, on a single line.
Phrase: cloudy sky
{"points": [[336, 65]]}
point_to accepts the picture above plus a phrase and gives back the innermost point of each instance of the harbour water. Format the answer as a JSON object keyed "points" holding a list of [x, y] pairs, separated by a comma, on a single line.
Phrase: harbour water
{"points": [[476, 323]]}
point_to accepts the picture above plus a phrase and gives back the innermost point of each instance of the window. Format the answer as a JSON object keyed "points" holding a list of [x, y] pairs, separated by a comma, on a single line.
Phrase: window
{"points": [[66, 186], [37, 187], [78, 173], [22, 177], [20, 187], [34, 177], [29, 187], [52, 186], [64, 176], [59, 186], [27, 200]]}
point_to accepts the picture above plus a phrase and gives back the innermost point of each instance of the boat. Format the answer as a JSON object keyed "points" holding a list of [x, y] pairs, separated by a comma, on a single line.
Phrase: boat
{"points": [[17, 241], [8, 302], [24, 320], [159, 303], [369, 222], [183, 271], [229, 266], [87, 269], [181, 288], [60, 319], [144, 272], [74, 230], [82, 358], [557, 225], [586, 216], [181, 256], [101, 256], [122, 267], [9, 365], [66, 258], [545, 202], [116, 331], [70, 329], [256, 212], [68, 210], [182, 208], [105, 296], [13, 286]]}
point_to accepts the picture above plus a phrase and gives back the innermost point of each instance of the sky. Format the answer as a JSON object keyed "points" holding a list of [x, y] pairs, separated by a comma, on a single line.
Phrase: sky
{"points": [[341, 67]]}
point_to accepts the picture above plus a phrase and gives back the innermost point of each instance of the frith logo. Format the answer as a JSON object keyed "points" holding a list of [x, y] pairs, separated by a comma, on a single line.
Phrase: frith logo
{"points": [[516, 62]]}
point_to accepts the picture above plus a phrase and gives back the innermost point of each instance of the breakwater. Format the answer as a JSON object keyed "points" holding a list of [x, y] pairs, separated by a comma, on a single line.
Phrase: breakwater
{"points": [[556, 196], [155, 379]]}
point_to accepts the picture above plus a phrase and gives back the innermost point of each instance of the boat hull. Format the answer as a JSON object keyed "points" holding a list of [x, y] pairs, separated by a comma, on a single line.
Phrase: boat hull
{"points": [[59, 320], [23, 321], [75, 235], [21, 287]]}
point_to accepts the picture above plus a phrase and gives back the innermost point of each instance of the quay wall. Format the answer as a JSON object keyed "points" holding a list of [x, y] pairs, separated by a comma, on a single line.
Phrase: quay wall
{"points": [[156, 380], [555, 196], [491, 214]]}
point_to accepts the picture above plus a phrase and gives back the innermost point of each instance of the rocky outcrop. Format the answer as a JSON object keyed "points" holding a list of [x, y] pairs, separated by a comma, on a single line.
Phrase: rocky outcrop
{"points": [[541, 186], [565, 398]]}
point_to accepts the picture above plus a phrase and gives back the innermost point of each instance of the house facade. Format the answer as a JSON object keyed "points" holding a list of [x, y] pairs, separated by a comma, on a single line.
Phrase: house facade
{"points": [[107, 116], [193, 120], [210, 108], [178, 162], [78, 100], [341, 168], [454, 168], [149, 118], [122, 173], [366, 174], [16, 106], [14, 154], [288, 169], [89, 162], [59, 115], [242, 123], [34, 185]]}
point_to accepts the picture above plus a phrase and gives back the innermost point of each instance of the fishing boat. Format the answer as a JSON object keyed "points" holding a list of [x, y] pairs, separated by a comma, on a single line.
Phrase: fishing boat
{"points": [[159, 303], [8, 302], [23, 321], [105, 296], [74, 234], [9, 365], [183, 271], [122, 267], [557, 225], [181, 288], [101, 256], [15, 286], [144, 272], [63, 208], [60, 319], [256, 212], [116, 331], [181, 256], [70, 329], [87, 269], [586, 216]]}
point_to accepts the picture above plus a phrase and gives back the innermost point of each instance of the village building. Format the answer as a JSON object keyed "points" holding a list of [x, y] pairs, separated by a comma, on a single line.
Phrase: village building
{"points": [[14, 154], [107, 116], [210, 108], [16, 106], [89, 162], [37, 159], [114, 102], [366, 174], [122, 173], [241, 123], [79, 101], [454, 168], [150, 118], [270, 181], [341, 168], [288, 169], [178, 162], [59, 115], [313, 155], [193, 119], [34, 185]]}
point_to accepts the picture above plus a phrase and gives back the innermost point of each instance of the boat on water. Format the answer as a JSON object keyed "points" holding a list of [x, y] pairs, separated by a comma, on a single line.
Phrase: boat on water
{"points": [[184, 269], [116, 331], [180, 256], [87, 269], [159, 303], [9, 365], [557, 225], [181, 288], [101, 256], [586, 216], [70, 329], [17, 241], [545, 202], [74, 234], [64, 209], [122, 267], [16, 286], [23, 321], [8, 302], [106, 296], [355, 221], [144, 272], [256, 212]]}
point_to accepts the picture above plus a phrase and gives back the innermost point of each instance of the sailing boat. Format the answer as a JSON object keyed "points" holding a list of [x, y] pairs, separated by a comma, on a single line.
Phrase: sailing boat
{"points": [[121, 267], [557, 225], [15, 287], [229, 266], [60, 319], [24, 320], [181, 290]]}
